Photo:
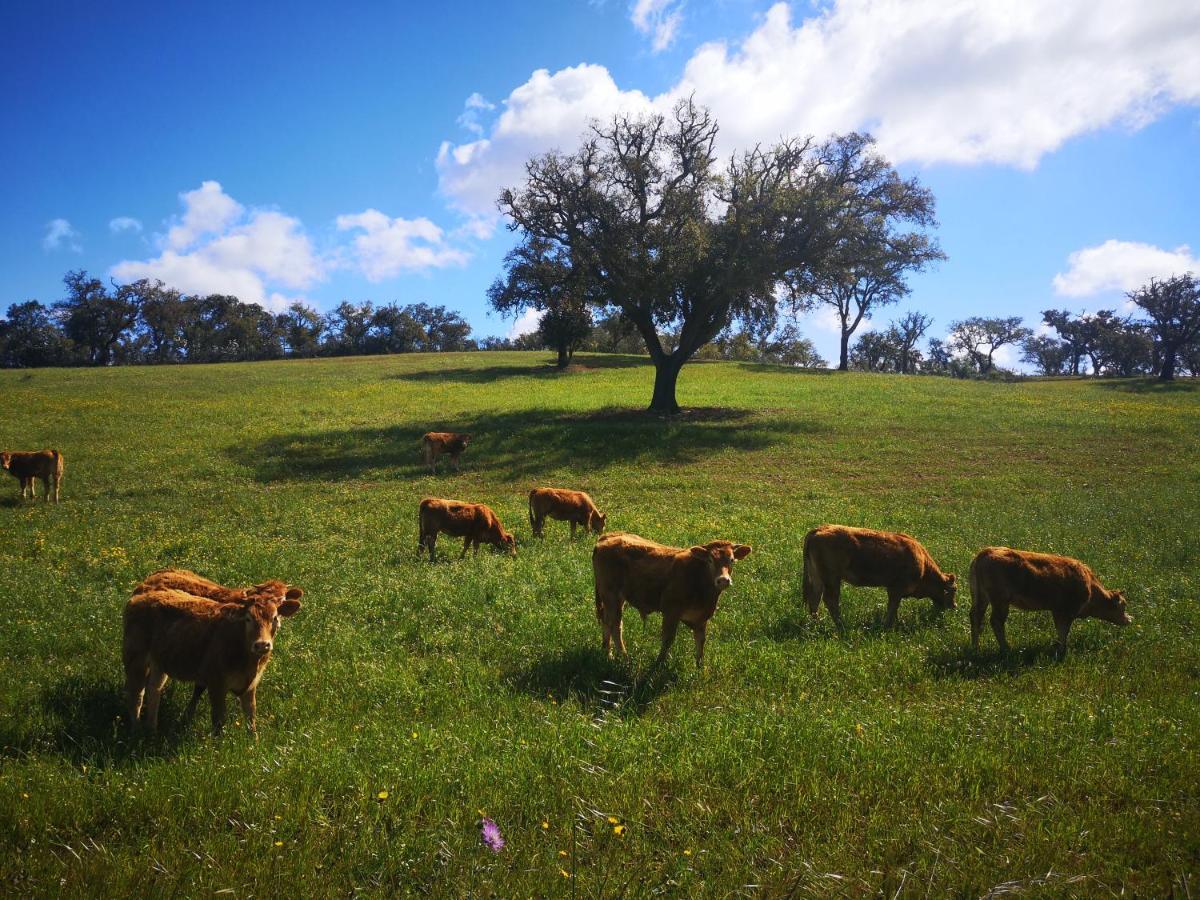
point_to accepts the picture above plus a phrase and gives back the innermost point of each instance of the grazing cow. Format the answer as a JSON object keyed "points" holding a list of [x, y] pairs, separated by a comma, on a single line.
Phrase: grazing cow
{"points": [[473, 522], [220, 646], [26, 465], [1068, 589], [199, 586], [866, 558], [575, 507], [682, 584], [435, 443]]}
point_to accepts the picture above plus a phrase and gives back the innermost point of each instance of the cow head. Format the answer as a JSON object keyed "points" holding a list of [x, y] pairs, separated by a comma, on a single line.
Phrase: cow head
{"points": [[508, 542], [461, 441], [944, 594], [1109, 606], [5, 459], [273, 590], [596, 521], [719, 557], [260, 620]]}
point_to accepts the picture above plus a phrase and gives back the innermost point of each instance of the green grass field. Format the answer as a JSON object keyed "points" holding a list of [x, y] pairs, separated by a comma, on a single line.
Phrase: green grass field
{"points": [[799, 763]]}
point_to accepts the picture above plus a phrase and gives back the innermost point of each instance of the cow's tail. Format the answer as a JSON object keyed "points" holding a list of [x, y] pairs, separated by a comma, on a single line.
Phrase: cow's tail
{"points": [[812, 577], [426, 450], [532, 524], [58, 463], [979, 601], [420, 528]]}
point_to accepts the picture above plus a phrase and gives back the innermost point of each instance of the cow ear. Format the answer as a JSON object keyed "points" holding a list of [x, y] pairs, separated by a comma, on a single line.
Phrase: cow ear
{"points": [[702, 552], [741, 551], [294, 593], [289, 608], [952, 579]]}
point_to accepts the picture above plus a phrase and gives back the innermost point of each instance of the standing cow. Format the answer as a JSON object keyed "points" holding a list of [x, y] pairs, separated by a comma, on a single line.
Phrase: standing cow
{"points": [[436, 443], [224, 647], [682, 584], [866, 558], [575, 507], [473, 522], [1002, 577], [26, 465], [189, 582]]}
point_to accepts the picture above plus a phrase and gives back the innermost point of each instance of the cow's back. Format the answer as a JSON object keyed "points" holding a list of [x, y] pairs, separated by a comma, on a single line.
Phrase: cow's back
{"points": [[639, 569], [1032, 581], [868, 558]]}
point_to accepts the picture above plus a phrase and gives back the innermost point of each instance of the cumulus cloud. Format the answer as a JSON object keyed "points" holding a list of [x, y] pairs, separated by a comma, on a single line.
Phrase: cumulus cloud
{"points": [[660, 19], [217, 247], [59, 234], [994, 81], [386, 247], [526, 323], [1121, 266], [474, 108], [124, 223]]}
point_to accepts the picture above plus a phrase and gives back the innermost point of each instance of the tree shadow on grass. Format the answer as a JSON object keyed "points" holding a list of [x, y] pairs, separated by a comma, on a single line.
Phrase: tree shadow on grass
{"points": [[520, 444], [601, 686], [84, 721], [486, 375], [1150, 385]]}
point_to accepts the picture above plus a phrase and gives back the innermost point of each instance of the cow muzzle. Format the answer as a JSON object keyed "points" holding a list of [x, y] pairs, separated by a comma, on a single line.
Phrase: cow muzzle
{"points": [[724, 580], [262, 648]]}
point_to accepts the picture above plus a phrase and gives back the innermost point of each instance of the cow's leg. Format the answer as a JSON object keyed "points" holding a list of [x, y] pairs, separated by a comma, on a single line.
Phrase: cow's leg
{"points": [[156, 683], [893, 607], [46, 488], [197, 693], [669, 627], [475, 547], [27, 484], [573, 526], [216, 696], [1062, 622], [699, 633], [136, 670], [432, 546], [833, 601], [57, 484], [979, 605], [250, 709], [999, 617]]}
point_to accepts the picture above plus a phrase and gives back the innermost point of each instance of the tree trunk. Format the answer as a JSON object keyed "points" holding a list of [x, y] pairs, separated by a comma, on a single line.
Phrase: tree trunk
{"points": [[844, 357], [666, 373], [1168, 365], [563, 357]]}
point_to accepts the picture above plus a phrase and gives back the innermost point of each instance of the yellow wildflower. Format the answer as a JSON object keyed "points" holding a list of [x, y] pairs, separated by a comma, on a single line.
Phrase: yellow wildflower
{"points": [[619, 830], [382, 795], [613, 820], [545, 825]]}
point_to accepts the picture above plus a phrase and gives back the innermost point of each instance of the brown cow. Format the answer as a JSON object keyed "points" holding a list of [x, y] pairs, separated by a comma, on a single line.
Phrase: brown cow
{"points": [[473, 522], [198, 586], [26, 465], [1068, 589], [683, 584], [575, 507], [435, 443], [221, 646], [866, 558]]}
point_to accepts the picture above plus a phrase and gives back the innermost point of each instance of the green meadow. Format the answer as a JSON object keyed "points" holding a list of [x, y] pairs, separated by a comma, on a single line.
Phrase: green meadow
{"points": [[406, 700]]}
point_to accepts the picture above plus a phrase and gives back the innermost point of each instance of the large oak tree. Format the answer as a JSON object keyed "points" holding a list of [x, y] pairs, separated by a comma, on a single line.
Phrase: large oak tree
{"points": [[678, 242]]}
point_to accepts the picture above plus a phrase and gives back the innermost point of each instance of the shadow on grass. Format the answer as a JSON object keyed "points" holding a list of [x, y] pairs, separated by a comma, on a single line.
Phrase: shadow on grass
{"points": [[598, 684], [488, 374], [84, 721], [777, 369], [989, 662], [520, 444], [1150, 385], [799, 626]]}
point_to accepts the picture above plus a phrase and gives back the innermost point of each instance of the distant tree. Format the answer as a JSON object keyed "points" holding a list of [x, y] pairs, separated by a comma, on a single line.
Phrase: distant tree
{"points": [[164, 314], [394, 329], [939, 358], [979, 338], [664, 235], [1076, 334], [613, 333], [95, 318], [29, 337], [302, 328], [905, 333], [350, 328], [1126, 349], [224, 329], [445, 330], [789, 347], [1173, 305], [875, 351], [1047, 355]]}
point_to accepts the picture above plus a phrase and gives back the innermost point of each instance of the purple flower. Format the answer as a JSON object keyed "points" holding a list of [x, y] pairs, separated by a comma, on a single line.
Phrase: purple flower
{"points": [[489, 833]]}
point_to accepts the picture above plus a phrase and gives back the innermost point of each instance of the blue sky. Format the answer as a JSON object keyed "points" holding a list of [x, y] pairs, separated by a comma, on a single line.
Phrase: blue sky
{"points": [[282, 151]]}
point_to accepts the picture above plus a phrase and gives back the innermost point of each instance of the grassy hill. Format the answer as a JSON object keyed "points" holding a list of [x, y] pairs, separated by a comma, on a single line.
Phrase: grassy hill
{"points": [[799, 763]]}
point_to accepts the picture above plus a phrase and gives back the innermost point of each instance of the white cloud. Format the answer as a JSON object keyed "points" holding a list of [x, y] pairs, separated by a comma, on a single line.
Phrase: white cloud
{"points": [[1121, 266], [387, 247], [124, 223], [207, 210], [473, 110], [59, 233], [526, 323], [219, 248], [658, 18], [994, 81]]}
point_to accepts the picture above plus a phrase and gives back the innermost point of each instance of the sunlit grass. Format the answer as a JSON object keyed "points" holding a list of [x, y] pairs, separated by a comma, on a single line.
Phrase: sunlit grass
{"points": [[406, 701]]}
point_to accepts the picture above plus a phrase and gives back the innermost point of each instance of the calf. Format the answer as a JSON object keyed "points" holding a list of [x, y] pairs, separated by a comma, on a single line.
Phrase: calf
{"points": [[473, 522], [198, 586], [575, 507], [435, 443], [682, 584], [866, 558], [26, 465], [220, 646], [1002, 577]]}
